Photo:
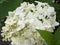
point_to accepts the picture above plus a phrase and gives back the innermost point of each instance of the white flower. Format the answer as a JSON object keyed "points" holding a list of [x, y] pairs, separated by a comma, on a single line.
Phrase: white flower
{"points": [[50, 9], [21, 24]]}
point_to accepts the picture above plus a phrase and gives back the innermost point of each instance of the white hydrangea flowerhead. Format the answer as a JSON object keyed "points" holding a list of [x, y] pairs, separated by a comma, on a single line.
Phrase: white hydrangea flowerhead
{"points": [[21, 24]]}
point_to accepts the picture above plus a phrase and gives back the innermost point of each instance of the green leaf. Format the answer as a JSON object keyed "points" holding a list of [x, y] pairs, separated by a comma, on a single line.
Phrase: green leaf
{"points": [[57, 8], [30, 1], [57, 36], [1, 1], [58, 15], [8, 5], [48, 36]]}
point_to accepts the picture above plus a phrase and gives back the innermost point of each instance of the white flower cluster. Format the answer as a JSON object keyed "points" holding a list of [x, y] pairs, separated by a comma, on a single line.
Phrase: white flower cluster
{"points": [[21, 24]]}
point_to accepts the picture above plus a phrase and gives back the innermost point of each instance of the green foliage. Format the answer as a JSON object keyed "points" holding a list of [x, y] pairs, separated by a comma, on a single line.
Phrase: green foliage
{"points": [[48, 36], [1, 1], [51, 39], [57, 36], [8, 5], [57, 8]]}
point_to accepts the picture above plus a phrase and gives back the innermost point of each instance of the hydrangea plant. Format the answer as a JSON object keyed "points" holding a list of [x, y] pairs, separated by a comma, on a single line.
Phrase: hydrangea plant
{"points": [[22, 24]]}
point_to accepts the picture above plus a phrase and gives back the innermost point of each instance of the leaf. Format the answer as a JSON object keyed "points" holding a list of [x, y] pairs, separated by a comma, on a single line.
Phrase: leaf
{"points": [[57, 8], [30, 1], [47, 36], [8, 5], [58, 15], [1, 1], [57, 36]]}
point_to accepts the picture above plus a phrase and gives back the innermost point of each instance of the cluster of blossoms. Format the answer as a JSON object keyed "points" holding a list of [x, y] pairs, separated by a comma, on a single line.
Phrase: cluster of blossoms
{"points": [[21, 24]]}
